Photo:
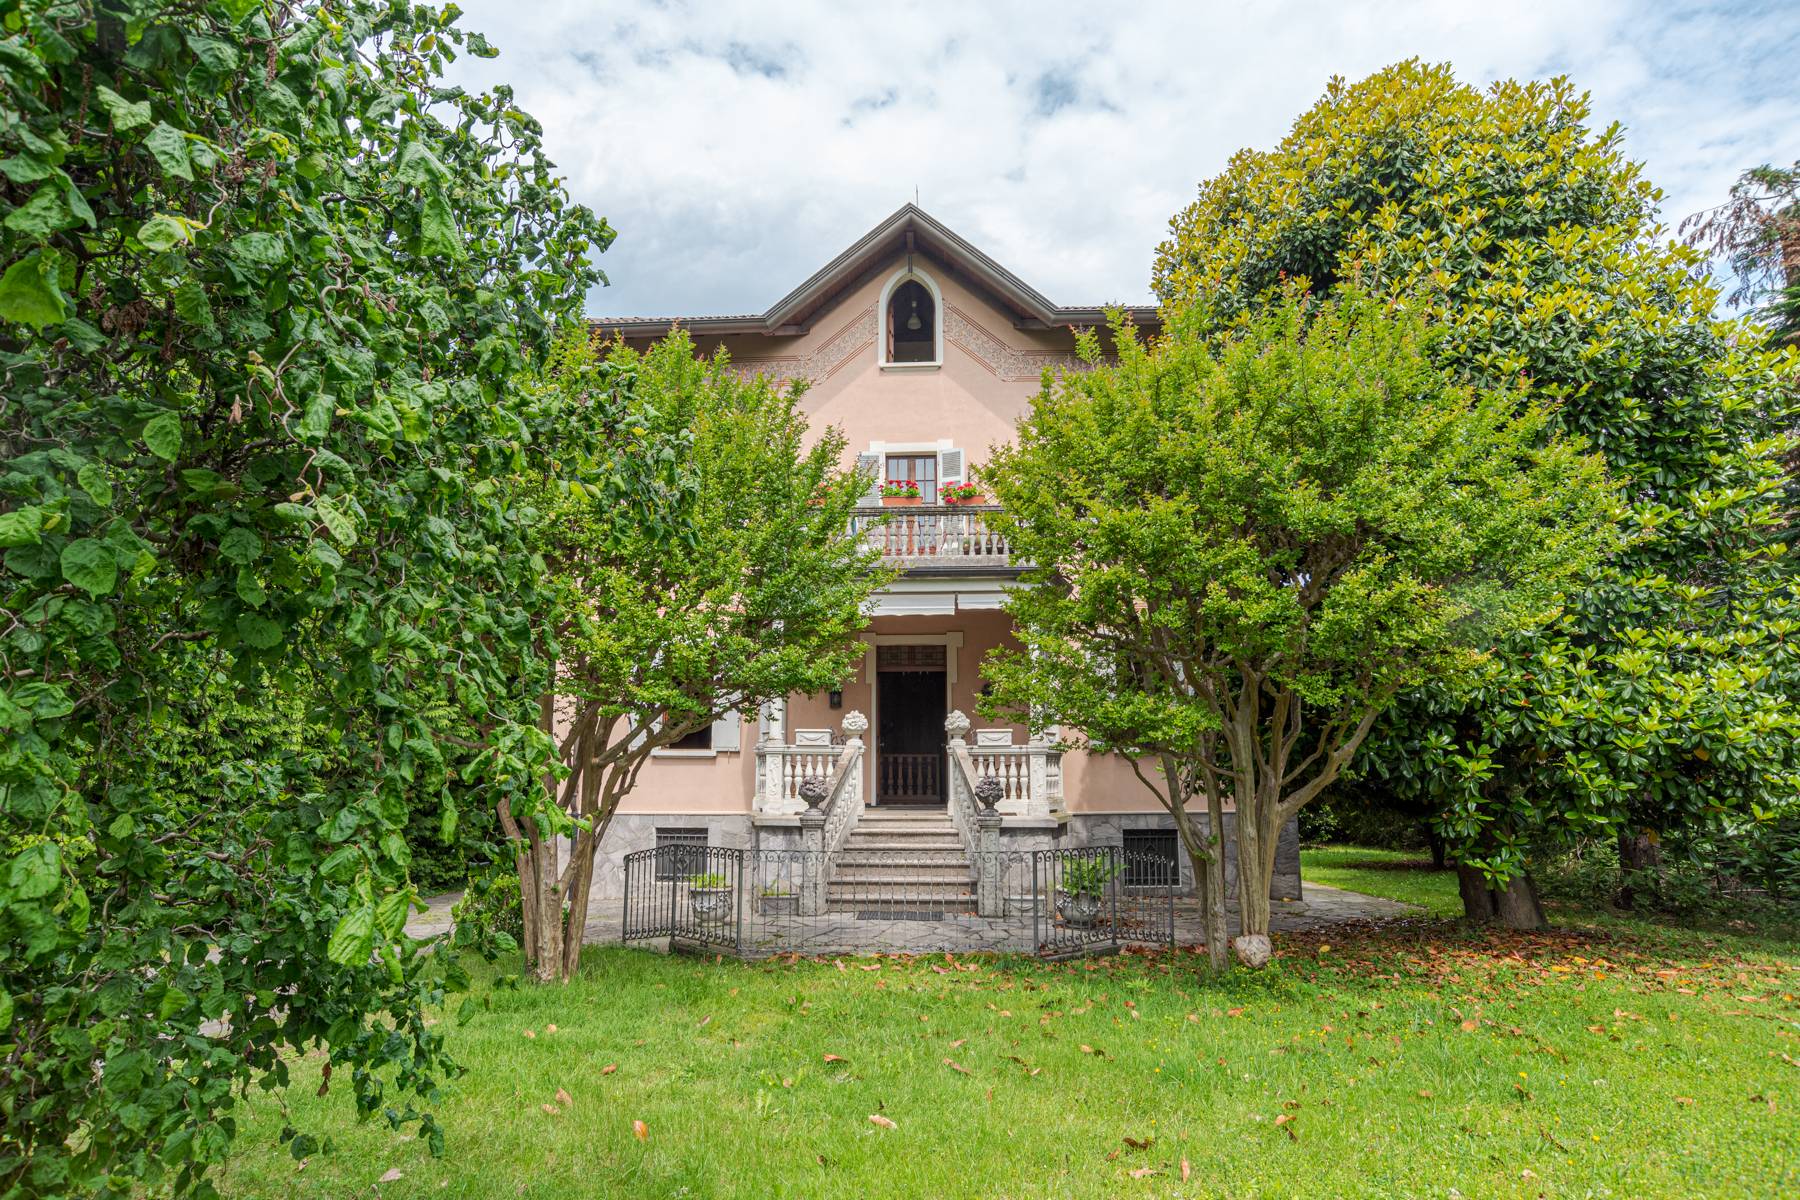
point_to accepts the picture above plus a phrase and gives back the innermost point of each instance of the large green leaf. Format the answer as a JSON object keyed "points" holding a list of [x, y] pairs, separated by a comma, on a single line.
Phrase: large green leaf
{"points": [[126, 114], [91, 565], [354, 937], [35, 871], [163, 435], [437, 227], [30, 293], [169, 146], [46, 212], [22, 526]]}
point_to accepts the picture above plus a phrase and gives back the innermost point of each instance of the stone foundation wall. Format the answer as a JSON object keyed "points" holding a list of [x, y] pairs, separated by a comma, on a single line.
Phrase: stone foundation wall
{"points": [[637, 831]]}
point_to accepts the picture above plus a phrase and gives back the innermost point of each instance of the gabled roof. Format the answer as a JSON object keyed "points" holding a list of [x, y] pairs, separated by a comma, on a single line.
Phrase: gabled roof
{"points": [[909, 230]]}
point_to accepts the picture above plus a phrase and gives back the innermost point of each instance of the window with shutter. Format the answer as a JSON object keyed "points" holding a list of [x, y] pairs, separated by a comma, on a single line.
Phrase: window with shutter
{"points": [[726, 732], [870, 465], [950, 466]]}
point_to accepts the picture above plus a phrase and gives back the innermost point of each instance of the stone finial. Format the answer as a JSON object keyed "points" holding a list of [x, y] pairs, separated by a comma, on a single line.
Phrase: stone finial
{"points": [[956, 725], [855, 724], [813, 789], [989, 791]]}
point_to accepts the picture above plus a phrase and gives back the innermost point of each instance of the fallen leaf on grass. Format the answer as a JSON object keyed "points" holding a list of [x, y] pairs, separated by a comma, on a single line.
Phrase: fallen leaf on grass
{"points": [[531, 1033], [704, 1022], [1684, 1099], [1234, 1012], [563, 1098], [831, 1058], [878, 1119], [1143, 1172], [640, 1131], [1186, 1170], [957, 1067], [958, 1042], [390, 1175], [551, 1110], [549, 1029], [1139, 1143], [609, 1068], [1470, 1026]]}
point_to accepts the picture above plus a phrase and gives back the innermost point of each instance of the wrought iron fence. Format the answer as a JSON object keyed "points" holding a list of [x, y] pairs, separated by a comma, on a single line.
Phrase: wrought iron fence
{"points": [[1054, 903], [685, 893]]}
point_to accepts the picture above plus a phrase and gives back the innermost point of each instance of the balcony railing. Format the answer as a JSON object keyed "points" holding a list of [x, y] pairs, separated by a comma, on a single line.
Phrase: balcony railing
{"points": [[935, 535]]}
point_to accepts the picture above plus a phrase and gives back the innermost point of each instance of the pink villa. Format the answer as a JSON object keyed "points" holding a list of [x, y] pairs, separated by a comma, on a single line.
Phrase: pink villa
{"points": [[924, 352]]}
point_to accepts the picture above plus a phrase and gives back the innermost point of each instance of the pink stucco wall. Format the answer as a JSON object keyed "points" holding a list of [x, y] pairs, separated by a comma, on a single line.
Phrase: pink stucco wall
{"points": [[989, 372]]}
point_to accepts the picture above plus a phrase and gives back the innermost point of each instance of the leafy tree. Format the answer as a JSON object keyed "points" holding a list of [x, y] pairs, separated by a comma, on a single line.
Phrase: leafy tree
{"points": [[263, 285], [1758, 232], [1243, 553], [1662, 696], [747, 585]]}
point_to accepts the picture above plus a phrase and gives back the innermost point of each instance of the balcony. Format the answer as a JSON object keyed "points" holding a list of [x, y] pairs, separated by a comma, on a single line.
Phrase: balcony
{"points": [[936, 536]]}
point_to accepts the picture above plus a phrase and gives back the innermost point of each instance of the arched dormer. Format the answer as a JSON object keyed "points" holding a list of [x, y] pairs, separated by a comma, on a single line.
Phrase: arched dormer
{"points": [[912, 324]]}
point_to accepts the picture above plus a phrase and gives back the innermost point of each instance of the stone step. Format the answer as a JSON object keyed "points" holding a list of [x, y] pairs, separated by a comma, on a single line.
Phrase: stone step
{"points": [[949, 856], [902, 889], [924, 880], [906, 822], [900, 908], [935, 845], [890, 874]]}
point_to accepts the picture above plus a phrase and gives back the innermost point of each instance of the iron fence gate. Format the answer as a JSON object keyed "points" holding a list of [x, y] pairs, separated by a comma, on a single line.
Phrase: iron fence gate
{"points": [[1094, 898], [685, 893], [1054, 903]]}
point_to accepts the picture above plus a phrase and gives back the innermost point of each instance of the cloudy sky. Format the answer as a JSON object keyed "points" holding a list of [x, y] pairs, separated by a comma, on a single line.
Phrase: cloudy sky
{"points": [[737, 147]]}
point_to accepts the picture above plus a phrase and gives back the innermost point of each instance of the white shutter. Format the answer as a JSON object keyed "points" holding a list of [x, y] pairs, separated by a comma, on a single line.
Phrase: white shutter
{"points": [[726, 731], [950, 467], [871, 465]]}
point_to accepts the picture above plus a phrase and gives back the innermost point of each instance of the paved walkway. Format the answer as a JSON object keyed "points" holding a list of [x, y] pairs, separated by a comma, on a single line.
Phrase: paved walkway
{"points": [[848, 933]]}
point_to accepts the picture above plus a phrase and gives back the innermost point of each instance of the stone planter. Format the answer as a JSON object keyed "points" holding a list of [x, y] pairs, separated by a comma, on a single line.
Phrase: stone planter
{"points": [[969, 500], [1081, 909], [710, 905], [901, 501]]}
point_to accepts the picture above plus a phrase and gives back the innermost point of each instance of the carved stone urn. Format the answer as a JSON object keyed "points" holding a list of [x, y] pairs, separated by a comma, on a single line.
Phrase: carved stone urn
{"points": [[989, 791], [813, 789], [855, 724], [956, 725]]}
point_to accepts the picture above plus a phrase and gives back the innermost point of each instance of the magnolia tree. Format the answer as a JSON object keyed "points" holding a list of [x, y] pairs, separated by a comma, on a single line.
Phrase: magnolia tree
{"points": [[1662, 699], [744, 583], [1245, 549]]}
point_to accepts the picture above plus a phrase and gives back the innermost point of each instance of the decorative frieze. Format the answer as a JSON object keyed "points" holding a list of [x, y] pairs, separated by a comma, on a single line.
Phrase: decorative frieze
{"points": [[967, 335], [834, 352]]}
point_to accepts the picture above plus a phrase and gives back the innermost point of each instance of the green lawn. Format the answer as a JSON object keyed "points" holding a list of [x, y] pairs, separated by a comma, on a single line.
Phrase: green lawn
{"points": [[1401, 875], [1398, 1062]]}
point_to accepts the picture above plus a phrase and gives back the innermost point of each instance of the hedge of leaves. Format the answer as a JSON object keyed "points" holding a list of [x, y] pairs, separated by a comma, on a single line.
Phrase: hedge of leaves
{"points": [[265, 283]]}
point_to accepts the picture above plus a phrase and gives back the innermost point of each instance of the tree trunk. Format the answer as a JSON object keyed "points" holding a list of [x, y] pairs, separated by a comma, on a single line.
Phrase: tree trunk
{"points": [[1256, 862], [1477, 897], [1206, 855], [1516, 905], [1438, 850], [1639, 851]]}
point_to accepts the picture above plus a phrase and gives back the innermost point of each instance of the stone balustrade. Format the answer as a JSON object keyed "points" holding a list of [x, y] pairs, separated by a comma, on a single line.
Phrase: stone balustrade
{"points": [[943, 535]]}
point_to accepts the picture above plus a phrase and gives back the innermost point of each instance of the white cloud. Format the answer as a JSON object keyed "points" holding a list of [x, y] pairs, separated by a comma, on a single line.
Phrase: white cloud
{"points": [[738, 147]]}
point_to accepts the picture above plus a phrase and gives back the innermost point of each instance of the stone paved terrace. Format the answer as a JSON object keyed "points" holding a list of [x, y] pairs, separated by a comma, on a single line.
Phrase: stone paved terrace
{"points": [[1321, 908]]}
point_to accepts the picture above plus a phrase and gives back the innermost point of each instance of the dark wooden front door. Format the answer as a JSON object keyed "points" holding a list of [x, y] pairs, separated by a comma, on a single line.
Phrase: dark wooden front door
{"points": [[909, 745]]}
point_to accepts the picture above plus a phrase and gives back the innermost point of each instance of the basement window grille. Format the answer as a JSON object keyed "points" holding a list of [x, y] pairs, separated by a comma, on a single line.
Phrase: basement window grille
{"points": [[688, 852], [1150, 858]]}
